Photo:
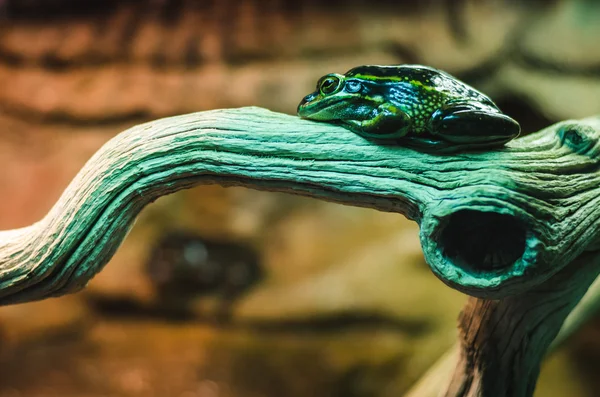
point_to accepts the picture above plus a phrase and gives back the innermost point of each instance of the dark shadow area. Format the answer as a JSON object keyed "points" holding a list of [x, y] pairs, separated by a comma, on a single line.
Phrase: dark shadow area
{"points": [[530, 118], [483, 241], [129, 308]]}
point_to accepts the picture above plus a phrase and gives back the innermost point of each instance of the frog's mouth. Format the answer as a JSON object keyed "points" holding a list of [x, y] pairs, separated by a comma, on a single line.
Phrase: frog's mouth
{"points": [[310, 107], [315, 107]]}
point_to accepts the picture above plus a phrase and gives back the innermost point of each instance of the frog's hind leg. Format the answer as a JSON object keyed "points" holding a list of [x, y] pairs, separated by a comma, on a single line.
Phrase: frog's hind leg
{"points": [[473, 124]]}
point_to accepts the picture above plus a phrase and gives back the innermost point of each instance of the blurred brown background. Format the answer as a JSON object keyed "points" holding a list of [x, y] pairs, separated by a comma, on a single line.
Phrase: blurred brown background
{"points": [[232, 292]]}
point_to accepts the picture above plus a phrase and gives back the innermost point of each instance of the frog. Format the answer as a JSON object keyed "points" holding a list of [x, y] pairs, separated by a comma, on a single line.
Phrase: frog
{"points": [[416, 104]]}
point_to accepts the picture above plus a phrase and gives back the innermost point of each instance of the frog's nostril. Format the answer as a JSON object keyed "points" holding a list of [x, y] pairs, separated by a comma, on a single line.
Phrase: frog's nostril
{"points": [[308, 98]]}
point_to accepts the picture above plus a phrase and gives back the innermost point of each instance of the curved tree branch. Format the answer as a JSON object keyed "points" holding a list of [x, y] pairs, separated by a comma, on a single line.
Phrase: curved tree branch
{"points": [[501, 224]]}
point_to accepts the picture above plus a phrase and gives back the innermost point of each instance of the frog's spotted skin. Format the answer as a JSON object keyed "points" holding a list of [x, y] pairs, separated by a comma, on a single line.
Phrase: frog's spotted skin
{"points": [[412, 101]]}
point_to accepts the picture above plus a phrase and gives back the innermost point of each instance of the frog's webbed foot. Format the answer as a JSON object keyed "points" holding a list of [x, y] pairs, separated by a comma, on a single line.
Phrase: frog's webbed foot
{"points": [[473, 124], [388, 122]]}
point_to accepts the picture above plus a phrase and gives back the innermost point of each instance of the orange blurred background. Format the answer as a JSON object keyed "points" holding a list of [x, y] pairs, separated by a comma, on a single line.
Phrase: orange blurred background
{"points": [[297, 297]]}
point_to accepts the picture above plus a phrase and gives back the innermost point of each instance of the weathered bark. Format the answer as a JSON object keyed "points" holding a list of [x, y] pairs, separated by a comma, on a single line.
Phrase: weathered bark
{"points": [[504, 340], [441, 373], [506, 224]]}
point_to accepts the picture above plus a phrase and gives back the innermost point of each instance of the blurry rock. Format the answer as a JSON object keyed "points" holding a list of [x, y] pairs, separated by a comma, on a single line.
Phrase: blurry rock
{"points": [[213, 212], [552, 61], [39, 321], [558, 96], [36, 166], [564, 37], [91, 63], [321, 263], [184, 266]]}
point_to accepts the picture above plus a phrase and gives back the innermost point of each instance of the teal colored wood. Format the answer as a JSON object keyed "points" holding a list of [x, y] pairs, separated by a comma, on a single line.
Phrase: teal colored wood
{"points": [[516, 228]]}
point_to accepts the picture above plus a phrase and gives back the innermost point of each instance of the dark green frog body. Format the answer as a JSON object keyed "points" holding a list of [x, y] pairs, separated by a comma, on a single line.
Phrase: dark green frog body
{"points": [[413, 102]]}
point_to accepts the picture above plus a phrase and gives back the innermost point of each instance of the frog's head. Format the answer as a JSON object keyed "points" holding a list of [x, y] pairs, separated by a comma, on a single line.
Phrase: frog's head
{"points": [[338, 98]]}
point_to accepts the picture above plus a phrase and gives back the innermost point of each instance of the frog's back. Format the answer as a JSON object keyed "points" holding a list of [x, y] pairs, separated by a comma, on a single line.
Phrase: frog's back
{"points": [[422, 78], [394, 72]]}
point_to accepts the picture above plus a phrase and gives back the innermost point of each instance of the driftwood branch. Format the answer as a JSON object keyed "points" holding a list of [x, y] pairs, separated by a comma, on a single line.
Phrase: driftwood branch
{"points": [[440, 374], [516, 228]]}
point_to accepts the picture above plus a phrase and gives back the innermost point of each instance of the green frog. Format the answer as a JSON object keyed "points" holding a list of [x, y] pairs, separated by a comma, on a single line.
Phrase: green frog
{"points": [[416, 103]]}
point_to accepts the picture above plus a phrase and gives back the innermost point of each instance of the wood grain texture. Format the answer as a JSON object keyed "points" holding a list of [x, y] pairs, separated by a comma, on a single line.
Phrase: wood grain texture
{"points": [[441, 373], [509, 226], [502, 342]]}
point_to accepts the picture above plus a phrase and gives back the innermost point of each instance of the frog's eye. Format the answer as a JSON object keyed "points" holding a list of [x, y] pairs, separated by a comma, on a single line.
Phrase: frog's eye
{"points": [[329, 85]]}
